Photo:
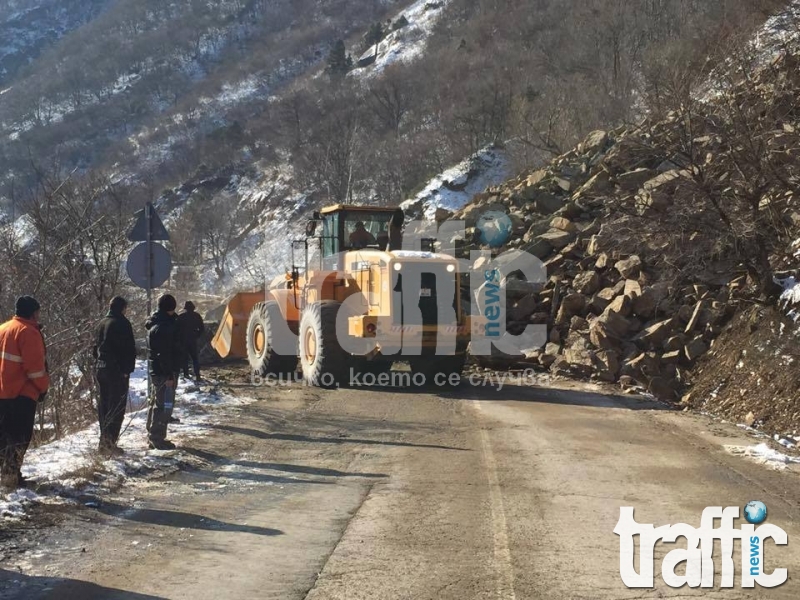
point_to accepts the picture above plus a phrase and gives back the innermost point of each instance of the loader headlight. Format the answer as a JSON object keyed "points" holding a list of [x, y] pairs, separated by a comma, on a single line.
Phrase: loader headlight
{"points": [[451, 268], [398, 266]]}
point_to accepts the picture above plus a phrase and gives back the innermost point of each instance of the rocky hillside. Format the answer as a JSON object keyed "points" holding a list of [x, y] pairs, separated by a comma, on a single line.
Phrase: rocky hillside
{"points": [[663, 244]]}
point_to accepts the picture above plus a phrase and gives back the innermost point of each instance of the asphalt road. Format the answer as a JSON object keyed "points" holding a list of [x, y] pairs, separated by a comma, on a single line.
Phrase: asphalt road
{"points": [[391, 493]]}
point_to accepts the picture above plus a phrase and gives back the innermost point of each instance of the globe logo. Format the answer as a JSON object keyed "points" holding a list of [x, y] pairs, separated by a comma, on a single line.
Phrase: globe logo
{"points": [[755, 512], [494, 227]]}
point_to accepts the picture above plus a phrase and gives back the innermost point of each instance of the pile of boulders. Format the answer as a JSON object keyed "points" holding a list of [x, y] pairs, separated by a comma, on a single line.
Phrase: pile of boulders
{"points": [[610, 315], [642, 270], [609, 324]]}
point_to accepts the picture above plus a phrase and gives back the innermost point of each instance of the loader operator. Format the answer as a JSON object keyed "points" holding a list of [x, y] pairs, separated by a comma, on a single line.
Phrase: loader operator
{"points": [[361, 238]]}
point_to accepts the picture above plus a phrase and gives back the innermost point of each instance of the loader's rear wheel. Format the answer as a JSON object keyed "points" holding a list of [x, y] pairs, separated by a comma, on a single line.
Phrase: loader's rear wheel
{"points": [[321, 356], [260, 335], [439, 371]]}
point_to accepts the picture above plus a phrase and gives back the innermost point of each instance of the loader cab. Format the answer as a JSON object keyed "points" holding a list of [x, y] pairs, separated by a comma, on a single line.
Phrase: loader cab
{"points": [[346, 228]]}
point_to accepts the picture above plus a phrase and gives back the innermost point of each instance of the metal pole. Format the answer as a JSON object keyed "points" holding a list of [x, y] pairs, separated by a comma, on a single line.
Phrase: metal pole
{"points": [[148, 215]]}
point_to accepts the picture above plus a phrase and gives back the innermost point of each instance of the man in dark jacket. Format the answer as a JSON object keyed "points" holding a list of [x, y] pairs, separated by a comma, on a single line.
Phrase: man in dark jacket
{"points": [[115, 352], [166, 354], [191, 327]]}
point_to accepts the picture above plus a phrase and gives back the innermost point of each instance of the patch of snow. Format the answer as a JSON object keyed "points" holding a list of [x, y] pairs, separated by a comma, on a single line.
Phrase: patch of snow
{"points": [[779, 31], [455, 187], [764, 455], [15, 504], [752, 430], [790, 297], [22, 231], [66, 463], [407, 43]]}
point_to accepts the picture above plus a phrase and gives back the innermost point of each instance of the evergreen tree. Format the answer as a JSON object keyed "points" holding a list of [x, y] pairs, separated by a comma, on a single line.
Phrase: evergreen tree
{"points": [[339, 62]]}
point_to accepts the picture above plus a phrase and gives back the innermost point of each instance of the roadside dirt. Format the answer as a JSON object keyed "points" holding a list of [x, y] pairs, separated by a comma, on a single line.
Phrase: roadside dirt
{"points": [[750, 374]]}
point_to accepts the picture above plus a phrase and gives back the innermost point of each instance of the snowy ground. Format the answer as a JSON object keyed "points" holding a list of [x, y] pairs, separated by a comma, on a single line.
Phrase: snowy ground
{"points": [[71, 466]]}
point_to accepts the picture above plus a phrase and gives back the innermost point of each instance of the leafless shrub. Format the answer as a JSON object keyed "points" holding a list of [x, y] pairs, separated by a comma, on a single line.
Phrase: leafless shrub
{"points": [[70, 258]]}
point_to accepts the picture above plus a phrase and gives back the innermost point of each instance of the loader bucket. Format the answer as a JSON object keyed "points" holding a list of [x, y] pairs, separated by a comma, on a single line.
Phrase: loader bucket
{"points": [[229, 341]]}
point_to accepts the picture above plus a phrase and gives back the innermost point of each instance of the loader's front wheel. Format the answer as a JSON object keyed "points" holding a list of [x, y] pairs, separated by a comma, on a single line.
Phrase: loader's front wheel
{"points": [[321, 356], [261, 328]]}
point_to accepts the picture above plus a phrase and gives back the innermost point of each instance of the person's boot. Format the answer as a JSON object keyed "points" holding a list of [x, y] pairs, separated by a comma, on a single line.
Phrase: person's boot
{"points": [[116, 451], [22, 481], [109, 448], [161, 445]]}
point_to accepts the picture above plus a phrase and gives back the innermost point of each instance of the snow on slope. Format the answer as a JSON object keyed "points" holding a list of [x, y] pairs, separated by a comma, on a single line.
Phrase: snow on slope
{"points": [[407, 43], [64, 465], [779, 31], [455, 187], [267, 250]]}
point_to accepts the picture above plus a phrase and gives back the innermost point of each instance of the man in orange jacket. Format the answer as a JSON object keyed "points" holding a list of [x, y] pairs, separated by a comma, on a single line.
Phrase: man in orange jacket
{"points": [[23, 379]]}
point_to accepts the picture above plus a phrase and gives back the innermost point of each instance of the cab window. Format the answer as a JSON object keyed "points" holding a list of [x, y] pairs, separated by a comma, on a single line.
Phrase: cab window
{"points": [[330, 235], [366, 230]]}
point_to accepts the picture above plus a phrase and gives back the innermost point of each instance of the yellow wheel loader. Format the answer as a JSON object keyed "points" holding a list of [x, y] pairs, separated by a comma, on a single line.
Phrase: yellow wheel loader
{"points": [[363, 304]]}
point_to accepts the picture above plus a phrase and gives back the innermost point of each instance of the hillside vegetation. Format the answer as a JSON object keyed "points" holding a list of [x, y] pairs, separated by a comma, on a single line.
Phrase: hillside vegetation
{"points": [[154, 89]]}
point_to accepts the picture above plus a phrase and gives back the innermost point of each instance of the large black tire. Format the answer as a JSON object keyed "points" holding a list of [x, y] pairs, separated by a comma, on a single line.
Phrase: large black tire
{"points": [[439, 370], [323, 361], [260, 354]]}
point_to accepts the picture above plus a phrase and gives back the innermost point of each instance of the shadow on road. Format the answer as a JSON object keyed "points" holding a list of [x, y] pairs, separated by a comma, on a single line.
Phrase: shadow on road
{"points": [[266, 478], [515, 393], [171, 518], [215, 458], [292, 437], [16, 586]]}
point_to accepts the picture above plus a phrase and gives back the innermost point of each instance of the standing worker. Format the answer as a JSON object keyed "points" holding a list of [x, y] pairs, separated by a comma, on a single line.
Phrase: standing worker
{"points": [[191, 326], [115, 352], [165, 356], [23, 380]]}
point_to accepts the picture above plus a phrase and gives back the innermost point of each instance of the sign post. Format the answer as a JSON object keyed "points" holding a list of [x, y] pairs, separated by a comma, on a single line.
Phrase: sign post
{"points": [[148, 216], [149, 264]]}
